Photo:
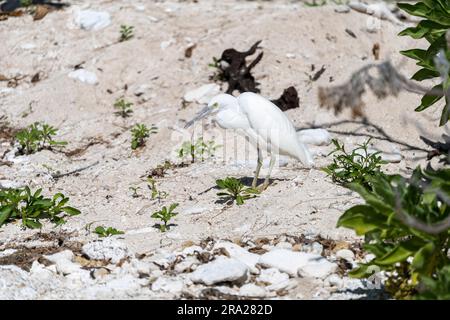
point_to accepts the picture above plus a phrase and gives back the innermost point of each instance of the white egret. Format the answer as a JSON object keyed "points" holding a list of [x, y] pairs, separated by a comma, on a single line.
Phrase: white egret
{"points": [[263, 122]]}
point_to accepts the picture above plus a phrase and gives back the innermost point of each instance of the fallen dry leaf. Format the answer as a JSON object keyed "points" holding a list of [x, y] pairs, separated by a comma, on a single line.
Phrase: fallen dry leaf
{"points": [[41, 12]]}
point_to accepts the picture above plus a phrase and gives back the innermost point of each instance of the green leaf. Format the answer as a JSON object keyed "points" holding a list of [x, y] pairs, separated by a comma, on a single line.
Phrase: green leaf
{"points": [[362, 219], [425, 74], [5, 213], [400, 253], [423, 257], [430, 99], [32, 224], [71, 211], [416, 54]]}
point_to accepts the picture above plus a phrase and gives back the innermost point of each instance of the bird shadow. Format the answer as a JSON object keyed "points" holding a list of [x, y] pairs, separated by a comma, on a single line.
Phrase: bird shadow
{"points": [[382, 135]]}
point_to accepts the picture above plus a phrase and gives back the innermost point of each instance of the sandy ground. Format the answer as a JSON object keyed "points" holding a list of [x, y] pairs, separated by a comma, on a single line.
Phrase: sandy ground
{"points": [[294, 37]]}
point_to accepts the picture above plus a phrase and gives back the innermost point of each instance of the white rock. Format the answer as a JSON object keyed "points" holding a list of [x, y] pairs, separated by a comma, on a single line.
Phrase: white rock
{"points": [[143, 267], [252, 290], [284, 285], [345, 254], [379, 10], [220, 270], [84, 76], [342, 9], [186, 264], [15, 284], [369, 257], [194, 210], [317, 268], [239, 253], [139, 7], [284, 245], [63, 262], [202, 94], [272, 276], [334, 281], [92, 20], [28, 46], [155, 274], [63, 255], [38, 270], [314, 247], [141, 231], [127, 284], [7, 252], [189, 251], [391, 157], [168, 285], [285, 260], [317, 137], [166, 44], [107, 249], [8, 184], [163, 258], [290, 55]]}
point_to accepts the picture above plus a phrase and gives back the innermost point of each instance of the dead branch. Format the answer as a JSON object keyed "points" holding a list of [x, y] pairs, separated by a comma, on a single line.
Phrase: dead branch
{"points": [[59, 175]]}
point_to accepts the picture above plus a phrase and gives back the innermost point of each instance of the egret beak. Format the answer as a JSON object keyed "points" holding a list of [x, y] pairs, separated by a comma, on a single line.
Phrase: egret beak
{"points": [[202, 114]]}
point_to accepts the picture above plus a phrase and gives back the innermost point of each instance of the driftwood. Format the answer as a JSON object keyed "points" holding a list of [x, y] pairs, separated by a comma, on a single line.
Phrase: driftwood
{"points": [[288, 100], [233, 68]]}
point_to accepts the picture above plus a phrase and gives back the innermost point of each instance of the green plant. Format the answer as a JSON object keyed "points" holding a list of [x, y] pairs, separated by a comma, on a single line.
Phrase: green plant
{"points": [[354, 167], [165, 215], [200, 149], [26, 3], [126, 33], [234, 190], [31, 207], [37, 137], [405, 225], [107, 232], [124, 108], [156, 194], [438, 287], [139, 133], [432, 28]]}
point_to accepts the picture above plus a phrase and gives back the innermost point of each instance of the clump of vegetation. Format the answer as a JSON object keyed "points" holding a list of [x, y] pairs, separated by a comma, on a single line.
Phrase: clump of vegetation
{"points": [[126, 33], [234, 190], [139, 133], [433, 28], [437, 287], [156, 194], [199, 150], [406, 225], [356, 166], [103, 232], [124, 108], [165, 215], [22, 204], [37, 137], [26, 3]]}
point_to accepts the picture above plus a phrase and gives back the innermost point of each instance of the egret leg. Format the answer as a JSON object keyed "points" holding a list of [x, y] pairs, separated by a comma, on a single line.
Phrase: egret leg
{"points": [[266, 181], [258, 167]]}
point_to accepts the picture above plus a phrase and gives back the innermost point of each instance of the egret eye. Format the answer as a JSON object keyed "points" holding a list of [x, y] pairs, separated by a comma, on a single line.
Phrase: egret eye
{"points": [[215, 105]]}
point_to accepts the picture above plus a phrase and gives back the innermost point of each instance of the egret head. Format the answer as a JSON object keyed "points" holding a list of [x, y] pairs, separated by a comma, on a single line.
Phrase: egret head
{"points": [[216, 104]]}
